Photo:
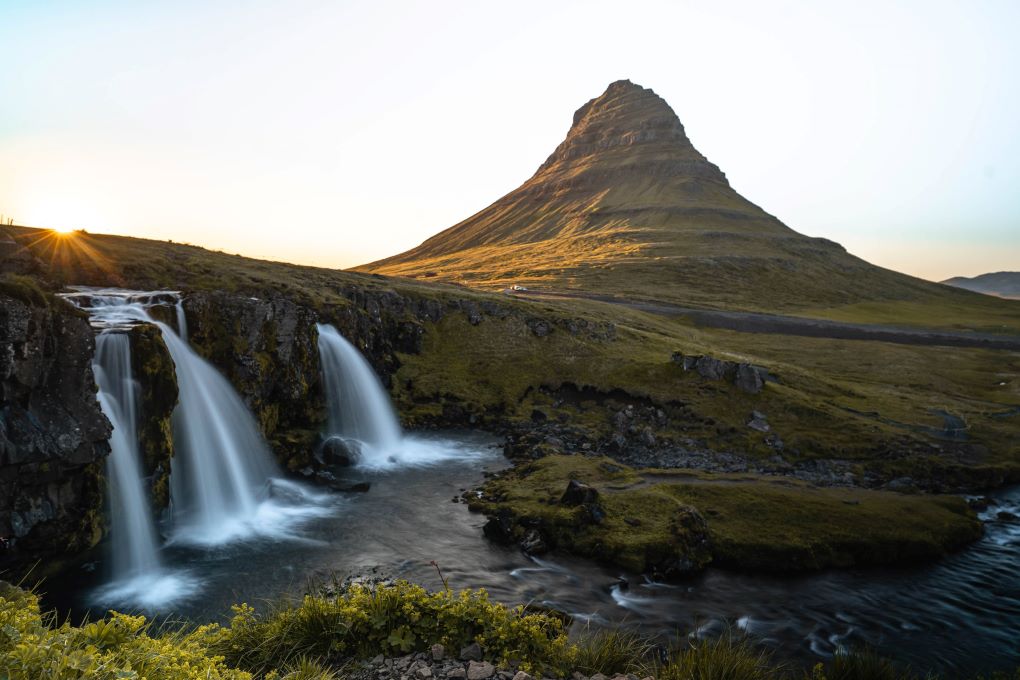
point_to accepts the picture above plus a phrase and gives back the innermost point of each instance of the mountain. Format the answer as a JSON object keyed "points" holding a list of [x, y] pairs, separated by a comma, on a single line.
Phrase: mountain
{"points": [[627, 206], [1000, 284]]}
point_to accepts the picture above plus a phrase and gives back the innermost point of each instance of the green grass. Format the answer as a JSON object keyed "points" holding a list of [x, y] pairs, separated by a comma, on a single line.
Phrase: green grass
{"points": [[25, 289], [728, 657], [850, 400], [760, 523], [980, 313], [323, 638]]}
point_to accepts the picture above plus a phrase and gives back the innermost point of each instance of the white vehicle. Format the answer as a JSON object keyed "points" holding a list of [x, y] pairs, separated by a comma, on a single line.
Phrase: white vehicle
{"points": [[516, 287]]}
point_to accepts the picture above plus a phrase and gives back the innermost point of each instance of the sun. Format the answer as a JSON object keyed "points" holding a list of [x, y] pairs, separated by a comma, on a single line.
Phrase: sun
{"points": [[63, 230]]}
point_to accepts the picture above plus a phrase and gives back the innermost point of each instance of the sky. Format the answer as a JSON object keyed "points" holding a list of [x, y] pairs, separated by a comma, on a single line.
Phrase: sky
{"points": [[336, 133]]}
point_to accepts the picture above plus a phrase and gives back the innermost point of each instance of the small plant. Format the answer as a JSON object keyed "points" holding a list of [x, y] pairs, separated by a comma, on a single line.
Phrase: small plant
{"points": [[613, 652], [728, 657], [862, 665], [441, 577]]}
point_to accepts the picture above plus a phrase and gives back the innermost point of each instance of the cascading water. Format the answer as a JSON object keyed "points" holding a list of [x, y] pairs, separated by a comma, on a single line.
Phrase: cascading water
{"points": [[222, 465], [182, 321], [139, 578], [359, 409], [358, 406], [222, 472], [132, 530]]}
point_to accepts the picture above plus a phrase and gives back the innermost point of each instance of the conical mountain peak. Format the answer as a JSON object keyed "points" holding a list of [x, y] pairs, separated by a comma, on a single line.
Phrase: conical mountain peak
{"points": [[631, 123], [626, 205]]}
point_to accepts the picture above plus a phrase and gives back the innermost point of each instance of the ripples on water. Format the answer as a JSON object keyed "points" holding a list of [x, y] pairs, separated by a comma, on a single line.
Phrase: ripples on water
{"points": [[961, 613]]}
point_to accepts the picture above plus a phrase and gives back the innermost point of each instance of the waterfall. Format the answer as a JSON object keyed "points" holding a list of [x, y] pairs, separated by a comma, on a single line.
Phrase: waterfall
{"points": [[222, 464], [222, 469], [132, 531], [358, 405], [182, 321]]}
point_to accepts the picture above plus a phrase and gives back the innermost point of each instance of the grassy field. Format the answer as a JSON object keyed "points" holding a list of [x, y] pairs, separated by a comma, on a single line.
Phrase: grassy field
{"points": [[878, 408], [837, 399], [759, 523]]}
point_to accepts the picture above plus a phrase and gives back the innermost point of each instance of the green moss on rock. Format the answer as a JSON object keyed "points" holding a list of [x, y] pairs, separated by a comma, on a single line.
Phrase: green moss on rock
{"points": [[154, 370]]}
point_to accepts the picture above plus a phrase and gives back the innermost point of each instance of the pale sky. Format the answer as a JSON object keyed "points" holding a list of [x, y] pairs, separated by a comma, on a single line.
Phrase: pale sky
{"points": [[335, 133]]}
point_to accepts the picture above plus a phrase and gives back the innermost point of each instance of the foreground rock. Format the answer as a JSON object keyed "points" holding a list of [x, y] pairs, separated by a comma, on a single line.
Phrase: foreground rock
{"points": [[438, 664]]}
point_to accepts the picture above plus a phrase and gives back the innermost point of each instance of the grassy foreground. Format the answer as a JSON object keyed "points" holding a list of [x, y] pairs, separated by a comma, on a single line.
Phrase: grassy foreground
{"points": [[320, 638]]}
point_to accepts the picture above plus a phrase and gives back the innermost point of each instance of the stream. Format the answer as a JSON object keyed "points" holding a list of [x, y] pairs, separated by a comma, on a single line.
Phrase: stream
{"points": [[960, 613]]}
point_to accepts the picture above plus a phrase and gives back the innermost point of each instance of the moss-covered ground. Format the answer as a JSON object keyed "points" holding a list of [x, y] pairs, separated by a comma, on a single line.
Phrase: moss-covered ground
{"points": [[753, 522]]}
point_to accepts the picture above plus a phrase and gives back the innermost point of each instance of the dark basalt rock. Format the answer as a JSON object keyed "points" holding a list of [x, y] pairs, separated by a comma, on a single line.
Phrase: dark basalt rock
{"points": [[579, 493], [500, 526], [745, 377], [53, 435], [337, 451]]}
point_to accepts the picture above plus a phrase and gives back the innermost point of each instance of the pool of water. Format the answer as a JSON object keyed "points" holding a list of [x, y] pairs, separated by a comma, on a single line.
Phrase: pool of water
{"points": [[960, 613]]}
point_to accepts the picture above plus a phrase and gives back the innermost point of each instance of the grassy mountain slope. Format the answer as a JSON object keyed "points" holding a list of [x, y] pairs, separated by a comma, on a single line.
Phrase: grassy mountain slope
{"points": [[627, 206]]}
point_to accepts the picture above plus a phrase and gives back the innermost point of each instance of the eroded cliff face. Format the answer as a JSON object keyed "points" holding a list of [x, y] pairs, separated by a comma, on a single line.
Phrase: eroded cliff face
{"points": [[53, 435], [268, 348]]}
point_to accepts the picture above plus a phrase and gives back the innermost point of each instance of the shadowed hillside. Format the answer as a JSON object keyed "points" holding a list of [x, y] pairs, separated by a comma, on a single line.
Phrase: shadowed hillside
{"points": [[627, 206], [1000, 284]]}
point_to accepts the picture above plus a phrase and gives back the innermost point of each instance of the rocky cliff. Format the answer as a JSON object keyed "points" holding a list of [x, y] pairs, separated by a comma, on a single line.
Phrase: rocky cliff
{"points": [[53, 436], [267, 347]]}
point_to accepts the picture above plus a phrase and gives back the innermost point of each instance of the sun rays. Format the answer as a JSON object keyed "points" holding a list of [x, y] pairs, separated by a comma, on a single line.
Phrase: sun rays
{"points": [[69, 251]]}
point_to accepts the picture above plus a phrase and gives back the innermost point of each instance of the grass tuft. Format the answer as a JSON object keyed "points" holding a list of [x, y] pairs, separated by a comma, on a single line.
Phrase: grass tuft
{"points": [[612, 652], [729, 657]]}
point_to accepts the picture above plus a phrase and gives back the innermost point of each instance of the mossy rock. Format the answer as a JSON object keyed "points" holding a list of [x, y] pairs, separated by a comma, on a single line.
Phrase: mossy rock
{"points": [[154, 370]]}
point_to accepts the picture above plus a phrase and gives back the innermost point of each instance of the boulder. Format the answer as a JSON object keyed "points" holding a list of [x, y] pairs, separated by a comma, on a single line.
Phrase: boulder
{"points": [[499, 527], [711, 368], [338, 451], [472, 652], [579, 493], [480, 670], [748, 379]]}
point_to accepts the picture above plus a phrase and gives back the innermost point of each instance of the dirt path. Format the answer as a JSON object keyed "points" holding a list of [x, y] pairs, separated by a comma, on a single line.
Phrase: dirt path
{"points": [[756, 322]]}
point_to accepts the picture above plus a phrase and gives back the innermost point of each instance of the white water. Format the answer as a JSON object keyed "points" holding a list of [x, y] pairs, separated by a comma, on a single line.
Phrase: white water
{"points": [[358, 405], [138, 575], [224, 482], [132, 530], [222, 465], [182, 321], [360, 409]]}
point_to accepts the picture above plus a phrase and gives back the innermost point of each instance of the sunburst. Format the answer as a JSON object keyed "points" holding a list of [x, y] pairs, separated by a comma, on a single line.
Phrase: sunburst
{"points": [[71, 254]]}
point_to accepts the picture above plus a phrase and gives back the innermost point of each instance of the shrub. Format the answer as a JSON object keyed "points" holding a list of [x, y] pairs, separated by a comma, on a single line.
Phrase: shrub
{"points": [[118, 647], [362, 622]]}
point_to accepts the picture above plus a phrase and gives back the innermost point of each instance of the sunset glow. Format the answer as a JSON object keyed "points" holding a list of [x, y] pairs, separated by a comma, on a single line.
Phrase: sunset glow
{"points": [[359, 135]]}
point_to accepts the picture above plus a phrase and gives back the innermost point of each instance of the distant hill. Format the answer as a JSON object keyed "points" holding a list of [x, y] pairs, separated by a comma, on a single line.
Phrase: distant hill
{"points": [[1000, 284], [627, 206]]}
